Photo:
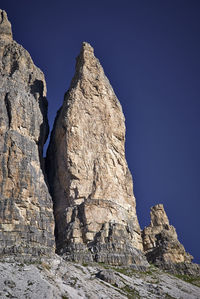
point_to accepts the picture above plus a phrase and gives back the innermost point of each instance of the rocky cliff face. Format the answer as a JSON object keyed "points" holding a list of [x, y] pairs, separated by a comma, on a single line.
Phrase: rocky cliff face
{"points": [[90, 182], [92, 189], [160, 240], [26, 217]]}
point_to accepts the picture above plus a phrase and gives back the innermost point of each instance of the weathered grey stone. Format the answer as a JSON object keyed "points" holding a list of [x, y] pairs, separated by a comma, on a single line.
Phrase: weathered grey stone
{"points": [[184, 268], [110, 276], [26, 216], [55, 278], [90, 182], [161, 243]]}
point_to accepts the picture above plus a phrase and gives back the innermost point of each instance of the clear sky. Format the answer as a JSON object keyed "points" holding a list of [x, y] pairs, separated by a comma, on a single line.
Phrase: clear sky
{"points": [[150, 51]]}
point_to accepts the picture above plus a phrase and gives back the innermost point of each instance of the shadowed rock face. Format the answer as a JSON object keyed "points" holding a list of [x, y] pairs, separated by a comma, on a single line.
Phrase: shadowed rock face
{"points": [[26, 216], [90, 182], [160, 240]]}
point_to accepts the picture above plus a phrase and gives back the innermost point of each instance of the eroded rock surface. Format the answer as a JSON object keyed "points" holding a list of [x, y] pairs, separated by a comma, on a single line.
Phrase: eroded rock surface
{"points": [[26, 214], [90, 182], [162, 247], [56, 278]]}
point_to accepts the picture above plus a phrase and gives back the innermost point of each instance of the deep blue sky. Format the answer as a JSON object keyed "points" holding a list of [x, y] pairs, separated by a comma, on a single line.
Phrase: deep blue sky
{"points": [[150, 51]]}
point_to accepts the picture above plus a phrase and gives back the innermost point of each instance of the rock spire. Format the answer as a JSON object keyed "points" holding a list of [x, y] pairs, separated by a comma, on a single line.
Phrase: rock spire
{"points": [[26, 213], [160, 240], [90, 182]]}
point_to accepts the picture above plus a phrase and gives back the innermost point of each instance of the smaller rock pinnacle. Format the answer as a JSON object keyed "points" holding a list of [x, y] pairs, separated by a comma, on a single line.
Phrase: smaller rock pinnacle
{"points": [[5, 26], [160, 240]]}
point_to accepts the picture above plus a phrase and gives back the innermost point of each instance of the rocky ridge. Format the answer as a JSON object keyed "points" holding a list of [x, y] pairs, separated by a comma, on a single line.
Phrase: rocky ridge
{"points": [[26, 217]]}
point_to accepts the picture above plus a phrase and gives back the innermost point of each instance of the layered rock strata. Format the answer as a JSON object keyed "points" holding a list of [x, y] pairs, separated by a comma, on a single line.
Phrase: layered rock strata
{"points": [[90, 182], [160, 240], [26, 213]]}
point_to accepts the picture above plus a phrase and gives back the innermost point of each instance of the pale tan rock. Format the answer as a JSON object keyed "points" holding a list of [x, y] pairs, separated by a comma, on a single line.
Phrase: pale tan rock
{"points": [[160, 240], [5, 27], [89, 178], [26, 212]]}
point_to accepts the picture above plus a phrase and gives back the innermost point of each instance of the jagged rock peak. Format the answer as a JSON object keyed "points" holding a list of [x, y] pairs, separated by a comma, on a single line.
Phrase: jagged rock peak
{"points": [[86, 53], [160, 240], [90, 182], [85, 58], [5, 26], [88, 68]]}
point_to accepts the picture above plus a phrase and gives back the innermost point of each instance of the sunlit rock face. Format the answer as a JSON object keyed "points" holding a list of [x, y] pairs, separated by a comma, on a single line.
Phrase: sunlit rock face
{"points": [[160, 240], [26, 213], [90, 182]]}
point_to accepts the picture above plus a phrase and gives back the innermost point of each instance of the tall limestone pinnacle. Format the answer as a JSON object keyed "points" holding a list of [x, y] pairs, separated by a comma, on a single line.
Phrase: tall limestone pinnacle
{"points": [[90, 182], [26, 212]]}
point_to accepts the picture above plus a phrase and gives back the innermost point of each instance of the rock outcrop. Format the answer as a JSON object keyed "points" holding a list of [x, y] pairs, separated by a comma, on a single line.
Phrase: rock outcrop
{"points": [[160, 240], [26, 213], [89, 179]]}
